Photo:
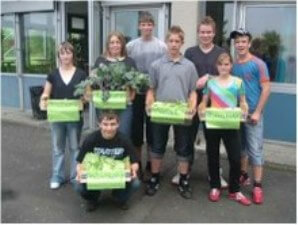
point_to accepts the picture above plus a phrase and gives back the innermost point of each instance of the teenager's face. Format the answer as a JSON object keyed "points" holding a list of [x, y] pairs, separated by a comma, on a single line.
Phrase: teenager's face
{"points": [[108, 128], [206, 34], [242, 45], [66, 57], [224, 67], [146, 29], [174, 44], [115, 46]]}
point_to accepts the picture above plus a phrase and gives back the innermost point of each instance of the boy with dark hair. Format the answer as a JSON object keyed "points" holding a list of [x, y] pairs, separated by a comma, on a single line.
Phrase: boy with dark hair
{"points": [[254, 72], [108, 141], [143, 50], [173, 79]]}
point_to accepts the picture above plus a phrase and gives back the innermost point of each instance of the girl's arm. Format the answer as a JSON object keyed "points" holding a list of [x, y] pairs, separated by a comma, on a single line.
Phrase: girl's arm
{"points": [[202, 106], [45, 95]]}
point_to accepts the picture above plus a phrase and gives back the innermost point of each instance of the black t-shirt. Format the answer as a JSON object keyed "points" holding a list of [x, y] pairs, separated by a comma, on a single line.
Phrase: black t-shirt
{"points": [[129, 62], [118, 147], [60, 90], [204, 62]]}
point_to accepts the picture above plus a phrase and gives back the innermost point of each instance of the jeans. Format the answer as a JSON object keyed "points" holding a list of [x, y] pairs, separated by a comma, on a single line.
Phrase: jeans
{"points": [[121, 195], [232, 142], [252, 142], [60, 132], [125, 117], [182, 141]]}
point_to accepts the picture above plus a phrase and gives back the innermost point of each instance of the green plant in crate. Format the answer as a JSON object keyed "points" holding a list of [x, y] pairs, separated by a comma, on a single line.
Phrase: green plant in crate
{"points": [[113, 77], [170, 113]]}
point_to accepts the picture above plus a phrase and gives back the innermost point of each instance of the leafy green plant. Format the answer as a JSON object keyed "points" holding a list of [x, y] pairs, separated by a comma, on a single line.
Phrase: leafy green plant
{"points": [[114, 77]]}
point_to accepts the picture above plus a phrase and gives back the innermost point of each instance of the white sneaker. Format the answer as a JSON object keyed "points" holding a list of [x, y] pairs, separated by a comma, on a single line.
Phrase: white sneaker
{"points": [[175, 179], [54, 185], [223, 183]]}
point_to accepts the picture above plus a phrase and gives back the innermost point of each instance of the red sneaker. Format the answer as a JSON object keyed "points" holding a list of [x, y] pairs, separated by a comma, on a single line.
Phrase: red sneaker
{"points": [[257, 195], [214, 195], [239, 197], [243, 181]]}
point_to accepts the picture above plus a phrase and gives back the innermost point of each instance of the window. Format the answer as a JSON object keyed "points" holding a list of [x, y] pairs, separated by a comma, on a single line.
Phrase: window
{"points": [[124, 17], [222, 13], [8, 47], [39, 43], [274, 38], [127, 22]]}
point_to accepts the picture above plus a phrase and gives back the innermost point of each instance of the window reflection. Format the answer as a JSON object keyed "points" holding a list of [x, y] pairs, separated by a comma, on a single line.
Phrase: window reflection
{"points": [[127, 23], [8, 49], [39, 43], [274, 39]]}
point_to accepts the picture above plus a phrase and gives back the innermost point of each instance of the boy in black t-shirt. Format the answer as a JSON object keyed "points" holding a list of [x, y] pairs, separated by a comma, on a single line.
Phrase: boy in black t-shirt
{"points": [[108, 141]]}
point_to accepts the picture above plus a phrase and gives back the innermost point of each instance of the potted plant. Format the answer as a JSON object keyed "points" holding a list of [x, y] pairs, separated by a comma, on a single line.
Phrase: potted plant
{"points": [[108, 86]]}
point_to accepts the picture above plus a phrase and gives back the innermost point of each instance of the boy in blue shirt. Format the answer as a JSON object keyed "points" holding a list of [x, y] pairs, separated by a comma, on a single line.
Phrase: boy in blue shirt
{"points": [[253, 71]]}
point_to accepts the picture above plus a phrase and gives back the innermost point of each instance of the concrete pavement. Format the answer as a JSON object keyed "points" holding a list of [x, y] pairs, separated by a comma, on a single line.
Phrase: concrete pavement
{"points": [[26, 197], [277, 154]]}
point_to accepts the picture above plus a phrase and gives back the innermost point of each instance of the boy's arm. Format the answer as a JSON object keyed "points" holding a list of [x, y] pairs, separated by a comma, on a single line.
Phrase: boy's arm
{"points": [[79, 171], [192, 102], [243, 105], [150, 99], [131, 153], [134, 167], [255, 117]]}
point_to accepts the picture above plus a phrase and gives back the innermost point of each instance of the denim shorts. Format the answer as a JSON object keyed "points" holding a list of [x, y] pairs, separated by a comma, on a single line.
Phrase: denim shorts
{"points": [[252, 142]]}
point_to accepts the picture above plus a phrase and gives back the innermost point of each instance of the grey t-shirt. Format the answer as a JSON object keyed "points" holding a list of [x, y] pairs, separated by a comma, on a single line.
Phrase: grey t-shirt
{"points": [[145, 52], [173, 81]]}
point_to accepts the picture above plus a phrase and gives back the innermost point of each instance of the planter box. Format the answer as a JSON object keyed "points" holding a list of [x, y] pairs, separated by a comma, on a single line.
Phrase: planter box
{"points": [[102, 173], [170, 113], [116, 100], [223, 118], [64, 110]]}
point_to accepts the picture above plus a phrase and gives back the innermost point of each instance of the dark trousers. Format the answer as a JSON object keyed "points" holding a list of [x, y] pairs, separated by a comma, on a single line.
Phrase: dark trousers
{"points": [[181, 141], [139, 118], [193, 134], [231, 140]]}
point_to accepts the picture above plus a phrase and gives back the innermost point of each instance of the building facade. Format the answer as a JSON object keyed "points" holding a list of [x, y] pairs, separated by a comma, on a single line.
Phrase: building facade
{"points": [[30, 32]]}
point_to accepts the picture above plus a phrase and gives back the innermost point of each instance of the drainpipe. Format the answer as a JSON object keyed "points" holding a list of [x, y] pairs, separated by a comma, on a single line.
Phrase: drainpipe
{"points": [[19, 62], [91, 56]]}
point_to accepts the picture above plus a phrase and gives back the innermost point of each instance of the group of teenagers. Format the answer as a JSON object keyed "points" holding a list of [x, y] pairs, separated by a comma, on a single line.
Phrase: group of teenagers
{"points": [[205, 76]]}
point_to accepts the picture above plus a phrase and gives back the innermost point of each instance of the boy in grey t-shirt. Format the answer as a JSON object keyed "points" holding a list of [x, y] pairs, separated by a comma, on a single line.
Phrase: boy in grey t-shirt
{"points": [[144, 50], [173, 78]]}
